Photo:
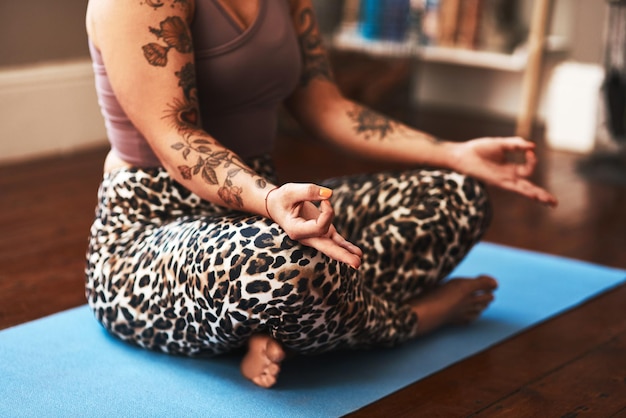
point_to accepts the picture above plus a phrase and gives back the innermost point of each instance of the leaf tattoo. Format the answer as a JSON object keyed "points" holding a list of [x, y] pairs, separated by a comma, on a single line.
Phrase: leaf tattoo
{"points": [[206, 164]]}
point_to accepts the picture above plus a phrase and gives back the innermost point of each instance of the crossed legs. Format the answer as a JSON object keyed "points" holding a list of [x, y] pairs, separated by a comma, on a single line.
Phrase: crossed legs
{"points": [[426, 221]]}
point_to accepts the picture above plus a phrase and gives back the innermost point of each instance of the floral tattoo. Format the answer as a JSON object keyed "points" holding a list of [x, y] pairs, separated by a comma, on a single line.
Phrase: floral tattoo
{"points": [[311, 49], [183, 113], [371, 124], [184, 116], [206, 164], [174, 34]]}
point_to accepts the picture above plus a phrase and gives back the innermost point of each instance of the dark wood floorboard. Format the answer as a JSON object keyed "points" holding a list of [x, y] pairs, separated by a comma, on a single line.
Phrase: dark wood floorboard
{"points": [[46, 208], [572, 365], [519, 377]]}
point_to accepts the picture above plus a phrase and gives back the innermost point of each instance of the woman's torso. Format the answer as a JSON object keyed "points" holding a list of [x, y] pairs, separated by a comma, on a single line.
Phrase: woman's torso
{"points": [[247, 63]]}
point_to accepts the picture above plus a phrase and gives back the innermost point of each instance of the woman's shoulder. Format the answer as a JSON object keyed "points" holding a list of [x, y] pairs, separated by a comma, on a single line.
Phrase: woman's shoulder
{"points": [[103, 15]]}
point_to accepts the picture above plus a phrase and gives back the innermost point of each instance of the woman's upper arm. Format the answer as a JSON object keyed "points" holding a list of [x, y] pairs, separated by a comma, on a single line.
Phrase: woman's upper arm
{"points": [[316, 84], [147, 50]]}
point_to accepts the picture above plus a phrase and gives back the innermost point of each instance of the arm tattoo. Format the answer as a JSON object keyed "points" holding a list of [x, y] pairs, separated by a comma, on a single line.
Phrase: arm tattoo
{"points": [[371, 124], [208, 161], [174, 34], [311, 49], [184, 115]]}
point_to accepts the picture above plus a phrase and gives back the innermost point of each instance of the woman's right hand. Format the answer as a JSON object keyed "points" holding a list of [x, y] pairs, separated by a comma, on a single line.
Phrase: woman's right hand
{"points": [[291, 206]]}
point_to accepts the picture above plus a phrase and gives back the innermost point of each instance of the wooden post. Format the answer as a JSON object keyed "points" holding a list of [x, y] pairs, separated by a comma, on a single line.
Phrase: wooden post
{"points": [[532, 75]]}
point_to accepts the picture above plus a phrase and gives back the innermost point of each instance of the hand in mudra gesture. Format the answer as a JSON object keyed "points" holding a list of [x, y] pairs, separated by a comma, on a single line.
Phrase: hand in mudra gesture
{"points": [[291, 206], [490, 160]]}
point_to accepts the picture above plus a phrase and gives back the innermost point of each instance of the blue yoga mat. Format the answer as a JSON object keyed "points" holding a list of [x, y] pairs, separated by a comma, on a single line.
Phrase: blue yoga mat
{"points": [[66, 365]]}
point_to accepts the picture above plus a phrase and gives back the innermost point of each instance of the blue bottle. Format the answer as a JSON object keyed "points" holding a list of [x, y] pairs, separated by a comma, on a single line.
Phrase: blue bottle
{"points": [[370, 19]]}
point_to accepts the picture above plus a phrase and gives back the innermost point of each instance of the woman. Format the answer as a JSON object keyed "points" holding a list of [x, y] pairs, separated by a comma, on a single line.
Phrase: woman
{"points": [[196, 248]]}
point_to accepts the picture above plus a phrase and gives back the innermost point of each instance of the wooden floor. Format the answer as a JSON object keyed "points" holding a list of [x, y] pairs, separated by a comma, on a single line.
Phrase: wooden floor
{"points": [[573, 365]]}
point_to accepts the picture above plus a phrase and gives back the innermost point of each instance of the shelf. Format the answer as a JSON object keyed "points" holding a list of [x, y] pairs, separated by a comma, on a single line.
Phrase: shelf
{"points": [[348, 39], [472, 58]]}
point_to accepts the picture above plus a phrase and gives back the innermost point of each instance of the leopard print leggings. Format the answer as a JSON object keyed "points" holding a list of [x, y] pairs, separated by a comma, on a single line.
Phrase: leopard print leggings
{"points": [[169, 271]]}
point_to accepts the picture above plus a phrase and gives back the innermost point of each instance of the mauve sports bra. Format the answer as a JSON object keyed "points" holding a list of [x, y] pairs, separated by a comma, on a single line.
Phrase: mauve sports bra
{"points": [[242, 77]]}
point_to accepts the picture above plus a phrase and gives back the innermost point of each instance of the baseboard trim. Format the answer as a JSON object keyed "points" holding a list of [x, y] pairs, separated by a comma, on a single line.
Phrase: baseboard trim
{"points": [[48, 109]]}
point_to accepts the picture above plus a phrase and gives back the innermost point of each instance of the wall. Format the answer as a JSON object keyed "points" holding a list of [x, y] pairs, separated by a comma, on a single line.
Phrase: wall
{"points": [[48, 109], [36, 31], [586, 30], [47, 99]]}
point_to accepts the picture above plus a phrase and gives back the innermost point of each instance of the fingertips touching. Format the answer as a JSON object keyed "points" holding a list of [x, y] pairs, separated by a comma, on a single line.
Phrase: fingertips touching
{"points": [[526, 167], [531, 157], [326, 211], [524, 142], [516, 143], [322, 224]]}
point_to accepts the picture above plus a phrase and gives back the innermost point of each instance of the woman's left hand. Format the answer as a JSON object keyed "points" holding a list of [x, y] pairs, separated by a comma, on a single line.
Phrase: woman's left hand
{"points": [[493, 161]]}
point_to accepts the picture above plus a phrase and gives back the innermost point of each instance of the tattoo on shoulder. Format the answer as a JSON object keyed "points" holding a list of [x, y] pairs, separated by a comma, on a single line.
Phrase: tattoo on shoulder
{"points": [[314, 59], [371, 124], [174, 34]]}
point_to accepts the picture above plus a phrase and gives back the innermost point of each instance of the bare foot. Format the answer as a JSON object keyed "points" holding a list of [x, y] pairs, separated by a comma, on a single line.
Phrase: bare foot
{"points": [[458, 301], [261, 364]]}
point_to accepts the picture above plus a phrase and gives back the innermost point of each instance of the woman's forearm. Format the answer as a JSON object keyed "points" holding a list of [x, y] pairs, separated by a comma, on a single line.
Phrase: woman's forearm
{"points": [[361, 130], [215, 173]]}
